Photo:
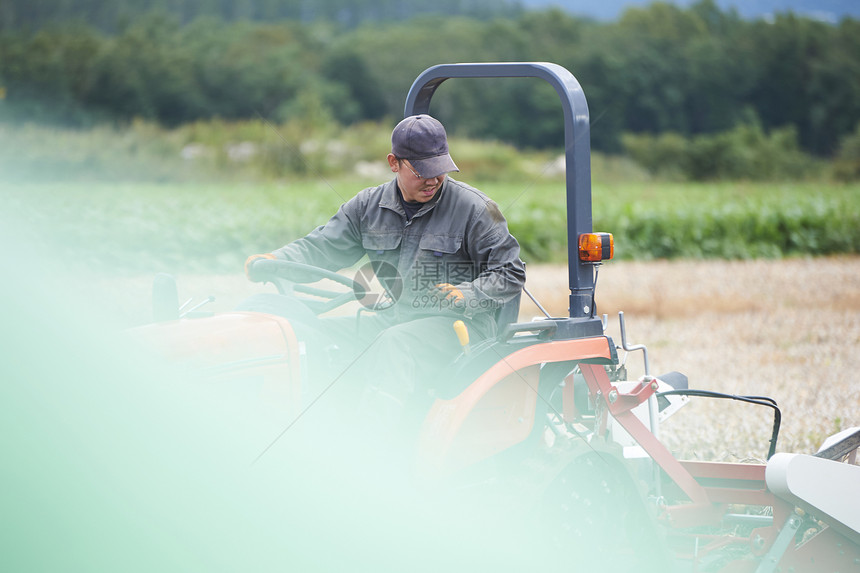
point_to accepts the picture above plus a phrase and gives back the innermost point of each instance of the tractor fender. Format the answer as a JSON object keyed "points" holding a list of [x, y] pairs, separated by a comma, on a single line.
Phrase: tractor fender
{"points": [[255, 354]]}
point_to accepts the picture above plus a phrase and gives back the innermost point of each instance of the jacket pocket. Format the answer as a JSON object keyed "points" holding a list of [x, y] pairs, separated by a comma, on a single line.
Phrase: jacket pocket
{"points": [[383, 250], [441, 260], [379, 243], [439, 245]]}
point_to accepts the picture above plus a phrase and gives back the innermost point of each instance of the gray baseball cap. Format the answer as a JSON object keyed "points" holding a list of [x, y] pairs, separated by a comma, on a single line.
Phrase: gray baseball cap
{"points": [[422, 140]]}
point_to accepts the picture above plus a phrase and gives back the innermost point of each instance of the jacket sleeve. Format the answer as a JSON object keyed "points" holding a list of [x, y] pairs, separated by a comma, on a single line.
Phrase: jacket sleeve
{"points": [[500, 273], [332, 246]]}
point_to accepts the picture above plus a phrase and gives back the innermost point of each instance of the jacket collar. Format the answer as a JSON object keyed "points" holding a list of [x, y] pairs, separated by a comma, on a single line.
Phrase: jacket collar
{"points": [[391, 201]]}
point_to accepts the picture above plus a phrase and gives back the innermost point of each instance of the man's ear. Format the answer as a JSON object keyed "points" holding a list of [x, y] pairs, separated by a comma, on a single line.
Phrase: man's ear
{"points": [[393, 163]]}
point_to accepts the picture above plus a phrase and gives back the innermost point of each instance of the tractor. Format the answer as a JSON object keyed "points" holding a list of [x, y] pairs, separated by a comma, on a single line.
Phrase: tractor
{"points": [[546, 407]]}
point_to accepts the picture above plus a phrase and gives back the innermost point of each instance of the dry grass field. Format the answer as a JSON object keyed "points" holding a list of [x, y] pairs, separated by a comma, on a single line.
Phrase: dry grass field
{"points": [[787, 329]]}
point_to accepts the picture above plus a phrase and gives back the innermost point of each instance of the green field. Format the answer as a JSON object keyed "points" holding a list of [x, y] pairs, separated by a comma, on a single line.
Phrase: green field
{"points": [[134, 227]]}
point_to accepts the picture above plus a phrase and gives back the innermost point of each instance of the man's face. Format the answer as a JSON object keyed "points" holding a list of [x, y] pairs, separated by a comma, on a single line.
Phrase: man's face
{"points": [[413, 187]]}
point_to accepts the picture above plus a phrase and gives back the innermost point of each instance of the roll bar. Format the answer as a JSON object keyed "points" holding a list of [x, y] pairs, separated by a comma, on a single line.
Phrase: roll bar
{"points": [[577, 153]]}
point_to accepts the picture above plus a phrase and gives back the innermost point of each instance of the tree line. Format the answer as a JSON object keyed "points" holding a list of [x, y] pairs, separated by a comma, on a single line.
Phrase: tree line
{"points": [[114, 15], [659, 69]]}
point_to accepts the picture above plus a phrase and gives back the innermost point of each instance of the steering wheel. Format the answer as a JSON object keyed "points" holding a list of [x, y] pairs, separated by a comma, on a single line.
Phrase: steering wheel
{"points": [[288, 277]]}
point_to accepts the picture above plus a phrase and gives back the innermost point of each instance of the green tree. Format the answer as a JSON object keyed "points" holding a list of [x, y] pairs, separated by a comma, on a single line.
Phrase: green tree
{"points": [[809, 77], [146, 72], [361, 97], [46, 75], [846, 166]]}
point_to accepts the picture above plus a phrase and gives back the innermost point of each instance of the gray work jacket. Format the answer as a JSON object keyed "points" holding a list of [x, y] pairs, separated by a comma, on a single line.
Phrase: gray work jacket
{"points": [[459, 237]]}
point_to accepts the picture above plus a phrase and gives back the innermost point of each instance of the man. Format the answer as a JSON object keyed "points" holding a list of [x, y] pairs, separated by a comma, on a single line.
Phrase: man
{"points": [[444, 241]]}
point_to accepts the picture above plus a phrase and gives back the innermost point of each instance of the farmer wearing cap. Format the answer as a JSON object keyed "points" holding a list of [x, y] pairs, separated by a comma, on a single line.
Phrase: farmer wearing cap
{"points": [[445, 244]]}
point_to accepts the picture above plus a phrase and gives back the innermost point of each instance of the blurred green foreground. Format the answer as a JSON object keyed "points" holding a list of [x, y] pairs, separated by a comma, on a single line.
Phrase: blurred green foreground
{"points": [[112, 463]]}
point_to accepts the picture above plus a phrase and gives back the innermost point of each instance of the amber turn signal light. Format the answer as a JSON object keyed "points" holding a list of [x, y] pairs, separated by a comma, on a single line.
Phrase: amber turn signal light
{"points": [[596, 247]]}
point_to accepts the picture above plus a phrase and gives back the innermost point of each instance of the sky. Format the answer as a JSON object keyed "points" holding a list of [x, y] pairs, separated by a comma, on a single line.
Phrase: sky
{"points": [[827, 10]]}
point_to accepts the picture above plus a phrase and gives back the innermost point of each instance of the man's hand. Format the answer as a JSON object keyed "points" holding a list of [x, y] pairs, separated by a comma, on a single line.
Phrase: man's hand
{"points": [[449, 293], [250, 260]]}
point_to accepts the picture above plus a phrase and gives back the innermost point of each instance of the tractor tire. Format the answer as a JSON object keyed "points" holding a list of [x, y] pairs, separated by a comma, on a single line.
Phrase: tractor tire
{"points": [[596, 516]]}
